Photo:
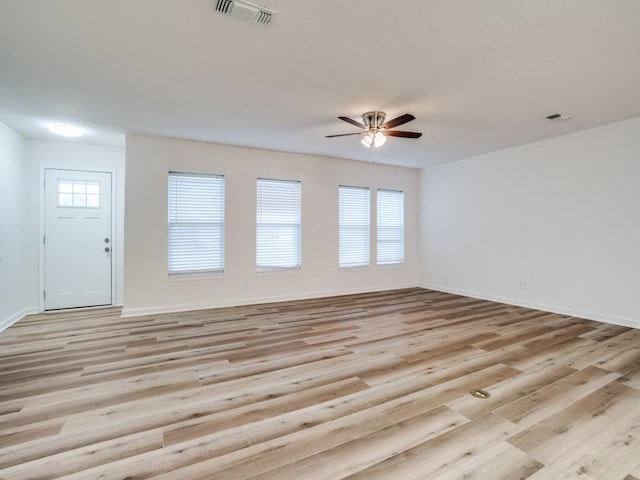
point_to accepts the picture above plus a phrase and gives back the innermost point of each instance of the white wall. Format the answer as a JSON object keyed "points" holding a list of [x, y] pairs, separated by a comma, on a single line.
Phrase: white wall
{"points": [[147, 285], [17, 248], [67, 155], [562, 215]]}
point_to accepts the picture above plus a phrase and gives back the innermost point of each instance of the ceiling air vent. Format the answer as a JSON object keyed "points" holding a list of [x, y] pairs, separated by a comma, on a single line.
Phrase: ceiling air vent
{"points": [[243, 10], [560, 117]]}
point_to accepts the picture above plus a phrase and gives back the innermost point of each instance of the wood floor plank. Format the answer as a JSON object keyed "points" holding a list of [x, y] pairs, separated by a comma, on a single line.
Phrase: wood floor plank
{"points": [[631, 378], [635, 472], [81, 459], [204, 425], [492, 464], [367, 386], [622, 363], [553, 398], [361, 453], [301, 436], [559, 441], [448, 451], [609, 348], [268, 456], [565, 352], [510, 390]]}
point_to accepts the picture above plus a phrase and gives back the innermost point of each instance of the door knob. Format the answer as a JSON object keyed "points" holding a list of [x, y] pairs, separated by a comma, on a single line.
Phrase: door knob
{"points": [[107, 249]]}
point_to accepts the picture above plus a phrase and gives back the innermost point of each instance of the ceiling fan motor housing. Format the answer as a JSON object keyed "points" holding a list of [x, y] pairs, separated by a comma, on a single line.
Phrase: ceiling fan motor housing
{"points": [[373, 120]]}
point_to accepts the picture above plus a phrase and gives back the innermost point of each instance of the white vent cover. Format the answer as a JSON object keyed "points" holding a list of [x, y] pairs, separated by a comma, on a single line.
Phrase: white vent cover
{"points": [[243, 10], [558, 117]]}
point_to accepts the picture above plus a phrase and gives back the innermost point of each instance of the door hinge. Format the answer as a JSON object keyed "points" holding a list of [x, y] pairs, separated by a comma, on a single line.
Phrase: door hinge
{"points": [[44, 295], [44, 239]]}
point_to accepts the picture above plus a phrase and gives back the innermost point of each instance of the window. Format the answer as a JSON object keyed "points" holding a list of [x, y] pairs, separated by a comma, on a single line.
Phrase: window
{"points": [[278, 214], [390, 231], [78, 194], [354, 226], [196, 223]]}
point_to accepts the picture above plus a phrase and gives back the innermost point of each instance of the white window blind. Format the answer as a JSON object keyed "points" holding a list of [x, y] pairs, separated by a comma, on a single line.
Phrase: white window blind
{"points": [[390, 227], [196, 223], [278, 215], [354, 226]]}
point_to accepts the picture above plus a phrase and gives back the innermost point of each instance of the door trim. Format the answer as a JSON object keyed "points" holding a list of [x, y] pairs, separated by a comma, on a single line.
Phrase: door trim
{"points": [[41, 215]]}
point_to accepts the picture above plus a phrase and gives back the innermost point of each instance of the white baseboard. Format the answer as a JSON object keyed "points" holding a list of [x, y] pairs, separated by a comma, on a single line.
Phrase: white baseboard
{"points": [[7, 322], [134, 312], [597, 316]]}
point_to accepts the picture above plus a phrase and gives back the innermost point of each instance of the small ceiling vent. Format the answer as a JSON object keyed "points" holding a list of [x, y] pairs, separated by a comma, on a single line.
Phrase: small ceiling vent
{"points": [[243, 10], [560, 117]]}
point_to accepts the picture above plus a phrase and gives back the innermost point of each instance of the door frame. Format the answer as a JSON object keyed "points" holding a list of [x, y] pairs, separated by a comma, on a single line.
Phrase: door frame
{"points": [[41, 214]]}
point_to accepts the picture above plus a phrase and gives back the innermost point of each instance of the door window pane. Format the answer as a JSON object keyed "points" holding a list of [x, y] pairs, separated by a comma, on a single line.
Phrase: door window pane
{"points": [[78, 194]]}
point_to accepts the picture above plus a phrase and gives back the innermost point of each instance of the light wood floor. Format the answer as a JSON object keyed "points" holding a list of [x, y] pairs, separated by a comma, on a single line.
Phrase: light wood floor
{"points": [[371, 386]]}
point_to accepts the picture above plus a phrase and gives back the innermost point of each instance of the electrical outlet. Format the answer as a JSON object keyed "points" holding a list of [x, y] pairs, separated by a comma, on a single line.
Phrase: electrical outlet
{"points": [[523, 285]]}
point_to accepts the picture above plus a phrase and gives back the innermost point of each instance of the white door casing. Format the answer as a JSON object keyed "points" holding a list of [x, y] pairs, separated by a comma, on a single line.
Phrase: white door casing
{"points": [[77, 238]]}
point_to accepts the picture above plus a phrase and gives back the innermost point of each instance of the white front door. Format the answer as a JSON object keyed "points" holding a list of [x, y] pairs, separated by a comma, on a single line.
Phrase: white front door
{"points": [[77, 239]]}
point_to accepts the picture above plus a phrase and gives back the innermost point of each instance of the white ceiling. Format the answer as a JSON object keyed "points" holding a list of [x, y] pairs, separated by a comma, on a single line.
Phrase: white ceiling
{"points": [[479, 75]]}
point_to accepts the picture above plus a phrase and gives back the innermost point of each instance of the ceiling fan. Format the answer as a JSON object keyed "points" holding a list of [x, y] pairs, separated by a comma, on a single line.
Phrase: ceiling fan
{"points": [[376, 130]]}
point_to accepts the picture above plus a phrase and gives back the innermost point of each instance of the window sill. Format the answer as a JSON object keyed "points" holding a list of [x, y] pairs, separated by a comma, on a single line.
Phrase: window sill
{"points": [[277, 271], [355, 268], [188, 277]]}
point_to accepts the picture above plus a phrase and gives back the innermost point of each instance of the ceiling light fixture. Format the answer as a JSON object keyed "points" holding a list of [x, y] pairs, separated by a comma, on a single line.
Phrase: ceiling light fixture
{"points": [[376, 130], [373, 122], [66, 130], [374, 137], [379, 139]]}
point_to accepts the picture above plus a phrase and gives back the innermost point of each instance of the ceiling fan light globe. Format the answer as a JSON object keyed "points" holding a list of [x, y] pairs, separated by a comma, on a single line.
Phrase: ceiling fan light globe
{"points": [[367, 140], [379, 139]]}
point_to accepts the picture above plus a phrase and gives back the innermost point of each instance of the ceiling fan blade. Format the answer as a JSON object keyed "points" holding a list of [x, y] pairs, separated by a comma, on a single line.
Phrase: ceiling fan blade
{"points": [[352, 122], [395, 133], [343, 135], [407, 117]]}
